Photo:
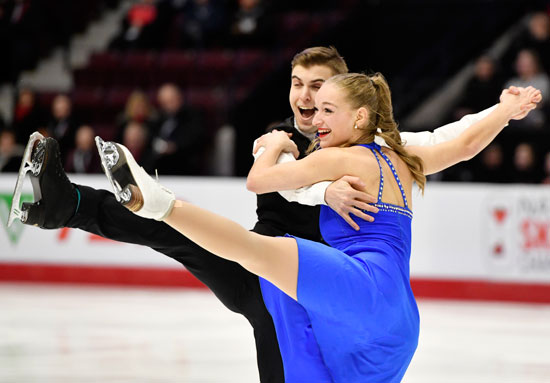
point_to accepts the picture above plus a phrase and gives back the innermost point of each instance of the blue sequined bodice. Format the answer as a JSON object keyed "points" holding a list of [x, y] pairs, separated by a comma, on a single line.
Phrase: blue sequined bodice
{"points": [[391, 228]]}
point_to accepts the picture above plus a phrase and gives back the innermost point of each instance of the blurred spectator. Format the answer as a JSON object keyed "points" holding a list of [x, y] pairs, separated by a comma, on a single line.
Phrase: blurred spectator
{"points": [[140, 29], [62, 125], [27, 117], [11, 154], [136, 138], [461, 172], [177, 135], [524, 166], [83, 158], [137, 109], [483, 89], [2, 122], [529, 73], [250, 25], [491, 165], [537, 38], [546, 167], [5, 42], [201, 22], [21, 23]]}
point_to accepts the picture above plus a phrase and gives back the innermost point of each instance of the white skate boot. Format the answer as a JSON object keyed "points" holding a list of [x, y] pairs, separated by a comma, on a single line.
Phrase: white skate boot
{"points": [[132, 186]]}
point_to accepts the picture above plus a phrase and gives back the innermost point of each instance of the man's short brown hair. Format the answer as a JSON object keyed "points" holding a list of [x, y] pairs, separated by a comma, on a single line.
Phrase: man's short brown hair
{"points": [[325, 56]]}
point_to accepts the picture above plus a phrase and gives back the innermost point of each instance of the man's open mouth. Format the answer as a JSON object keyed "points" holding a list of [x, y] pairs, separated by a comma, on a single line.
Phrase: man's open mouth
{"points": [[306, 112]]}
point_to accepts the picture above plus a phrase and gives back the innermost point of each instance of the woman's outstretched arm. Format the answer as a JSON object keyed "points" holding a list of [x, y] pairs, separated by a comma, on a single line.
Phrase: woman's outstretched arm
{"points": [[474, 139]]}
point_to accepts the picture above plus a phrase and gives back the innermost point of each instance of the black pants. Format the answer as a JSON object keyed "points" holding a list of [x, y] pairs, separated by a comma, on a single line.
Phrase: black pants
{"points": [[237, 288]]}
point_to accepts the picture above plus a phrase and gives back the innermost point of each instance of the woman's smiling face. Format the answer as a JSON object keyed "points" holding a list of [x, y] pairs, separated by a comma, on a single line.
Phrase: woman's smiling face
{"points": [[334, 118]]}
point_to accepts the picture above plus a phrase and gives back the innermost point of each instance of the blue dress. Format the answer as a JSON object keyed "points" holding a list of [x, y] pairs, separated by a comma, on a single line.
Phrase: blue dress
{"points": [[356, 318]]}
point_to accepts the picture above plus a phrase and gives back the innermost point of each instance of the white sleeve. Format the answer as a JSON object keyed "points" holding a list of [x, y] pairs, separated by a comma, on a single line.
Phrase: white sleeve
{"points": [[311, 195], [446, 132]]}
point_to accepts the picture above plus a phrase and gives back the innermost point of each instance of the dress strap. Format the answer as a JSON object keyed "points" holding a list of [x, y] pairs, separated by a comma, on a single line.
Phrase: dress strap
{"points": [[381, 186], [392, 168]]}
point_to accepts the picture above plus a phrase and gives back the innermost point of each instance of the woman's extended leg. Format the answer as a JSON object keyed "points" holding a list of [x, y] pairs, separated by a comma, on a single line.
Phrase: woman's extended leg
{"points": [[275, 259]]}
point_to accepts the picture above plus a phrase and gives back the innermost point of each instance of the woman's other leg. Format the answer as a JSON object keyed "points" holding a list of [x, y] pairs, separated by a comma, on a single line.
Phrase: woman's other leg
{"points": [[274, 259]]}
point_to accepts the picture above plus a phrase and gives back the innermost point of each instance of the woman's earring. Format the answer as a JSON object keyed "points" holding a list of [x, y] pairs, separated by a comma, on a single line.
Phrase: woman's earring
{"points": [[356, 127]]}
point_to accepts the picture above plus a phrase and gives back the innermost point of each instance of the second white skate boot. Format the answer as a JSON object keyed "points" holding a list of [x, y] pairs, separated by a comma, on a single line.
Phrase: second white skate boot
{"points": [[132, 186]]}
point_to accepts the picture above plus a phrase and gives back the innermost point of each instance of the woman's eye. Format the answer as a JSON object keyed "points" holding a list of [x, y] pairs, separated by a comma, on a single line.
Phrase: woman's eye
{"points": [[328, 111]]}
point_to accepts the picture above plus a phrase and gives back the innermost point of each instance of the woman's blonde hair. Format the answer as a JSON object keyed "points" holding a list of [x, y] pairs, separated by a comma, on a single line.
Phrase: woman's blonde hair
{"points": [[373, 93], [137, 99]]}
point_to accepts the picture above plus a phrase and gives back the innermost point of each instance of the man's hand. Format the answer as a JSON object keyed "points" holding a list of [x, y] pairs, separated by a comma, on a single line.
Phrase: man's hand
{"points": [[346, 196], [535, 100]]}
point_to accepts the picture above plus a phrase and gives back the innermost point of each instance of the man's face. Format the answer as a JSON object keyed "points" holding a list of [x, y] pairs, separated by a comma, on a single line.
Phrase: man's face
{"points": [[169, 99], [61, 107], [305, 82]]}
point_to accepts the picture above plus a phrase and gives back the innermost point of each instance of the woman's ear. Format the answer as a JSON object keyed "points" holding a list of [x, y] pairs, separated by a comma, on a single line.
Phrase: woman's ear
{"points": [[362, 117]]}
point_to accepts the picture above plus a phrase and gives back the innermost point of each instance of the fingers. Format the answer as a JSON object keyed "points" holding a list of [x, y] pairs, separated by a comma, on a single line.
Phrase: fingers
{"points": [[358, 193], [513, 90], [360, 199], [362, 215], [348, 219], [361, 196], [355, 182], [358, 213], [257, 145], [365, 206], [529, 106]]}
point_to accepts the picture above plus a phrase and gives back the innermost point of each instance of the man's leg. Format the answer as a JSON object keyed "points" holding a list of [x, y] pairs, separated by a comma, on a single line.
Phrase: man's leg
{"points": [[238, 289], [97, 211]]}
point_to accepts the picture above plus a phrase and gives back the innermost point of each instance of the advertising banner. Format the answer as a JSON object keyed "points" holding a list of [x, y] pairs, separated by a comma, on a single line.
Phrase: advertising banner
{"points": [[467, 238]]}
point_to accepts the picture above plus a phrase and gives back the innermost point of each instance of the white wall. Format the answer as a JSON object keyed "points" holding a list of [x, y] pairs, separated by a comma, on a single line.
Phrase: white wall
{"points": [[464, 231]]}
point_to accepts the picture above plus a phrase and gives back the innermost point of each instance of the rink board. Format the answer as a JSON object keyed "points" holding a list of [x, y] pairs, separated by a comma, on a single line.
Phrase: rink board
{"points": [[470, 241]]}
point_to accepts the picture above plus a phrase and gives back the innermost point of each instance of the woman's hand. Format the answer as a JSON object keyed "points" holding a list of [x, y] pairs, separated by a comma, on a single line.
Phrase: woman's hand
{"points": [[277, 139], [520, 101]]}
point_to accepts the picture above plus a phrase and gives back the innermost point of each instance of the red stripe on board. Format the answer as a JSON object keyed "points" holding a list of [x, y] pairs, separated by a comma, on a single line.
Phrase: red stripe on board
{"points": [[163, 277], [98, 275], [481, 290]]}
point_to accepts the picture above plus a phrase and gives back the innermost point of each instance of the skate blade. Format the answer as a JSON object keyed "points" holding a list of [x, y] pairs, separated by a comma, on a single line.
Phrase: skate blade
{"points": [[109, 155], [26, 166]]}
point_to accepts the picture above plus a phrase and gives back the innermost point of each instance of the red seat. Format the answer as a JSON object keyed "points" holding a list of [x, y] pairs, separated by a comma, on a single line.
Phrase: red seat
{"points": [[115, 101], [138, 69], [249, 58], [105, 61], [87, 104], [212, 102], [175, 67], [214, 68]]}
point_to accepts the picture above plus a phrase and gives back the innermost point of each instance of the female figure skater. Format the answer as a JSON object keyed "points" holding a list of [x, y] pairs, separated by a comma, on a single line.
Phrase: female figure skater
{"points": [[344, 313]]}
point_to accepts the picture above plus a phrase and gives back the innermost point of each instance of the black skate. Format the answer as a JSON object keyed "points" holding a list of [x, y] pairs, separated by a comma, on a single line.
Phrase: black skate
{"points": [[55, 198]]}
